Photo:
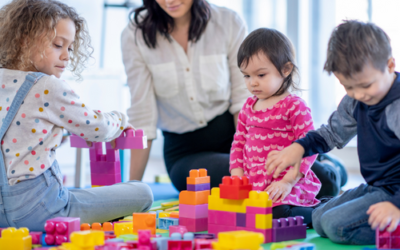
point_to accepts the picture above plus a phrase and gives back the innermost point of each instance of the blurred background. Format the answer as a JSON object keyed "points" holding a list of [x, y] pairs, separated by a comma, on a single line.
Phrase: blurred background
{"points": [[308, 23]]}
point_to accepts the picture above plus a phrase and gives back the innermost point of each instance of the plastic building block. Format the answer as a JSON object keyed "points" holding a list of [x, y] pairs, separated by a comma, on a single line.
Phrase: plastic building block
{"points": [[144, 240], [162, 179], [263, 221], [109, 235], [216, 203], [123, 228], [194, 225], [204, 236], [175, 214], [108, 226], [164, 214], [77, 142], [143, 221], [36, 238], [216, 229], [96, 226], [193, 211], [105, 179], [85, 226], [131, 139], [259, 199], [222, 218], [177, 229], [239, 240], [194, 198], [198, 176], [86, 239], [198, 187], [203, 243], [241, 220], [11, 238], [386, 240], [180, 245], [169, 204], [105, 167], [235, 187], [291, 228], [166, 222], [171, 209], [292, 245], [250, 220], [59, 229], [259, 210]]}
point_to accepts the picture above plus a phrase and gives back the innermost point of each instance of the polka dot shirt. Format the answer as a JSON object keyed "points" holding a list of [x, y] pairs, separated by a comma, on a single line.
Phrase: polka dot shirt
{"points": [[36, 131]]}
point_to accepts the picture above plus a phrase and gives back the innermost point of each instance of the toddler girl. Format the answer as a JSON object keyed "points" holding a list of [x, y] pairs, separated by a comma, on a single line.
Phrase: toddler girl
{"points": [[39, 39], [271, 120]]}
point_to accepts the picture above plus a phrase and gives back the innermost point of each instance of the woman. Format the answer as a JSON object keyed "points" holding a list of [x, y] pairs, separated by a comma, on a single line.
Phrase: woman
{"points": [[180, 59]]}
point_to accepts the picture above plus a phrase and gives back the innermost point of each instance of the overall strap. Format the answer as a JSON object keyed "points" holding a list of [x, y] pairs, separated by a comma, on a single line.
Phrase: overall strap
{"points": [[30, 80]]}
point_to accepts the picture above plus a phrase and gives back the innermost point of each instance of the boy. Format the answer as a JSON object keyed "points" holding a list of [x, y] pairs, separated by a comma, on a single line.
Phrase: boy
{"points": [[360, 56]]}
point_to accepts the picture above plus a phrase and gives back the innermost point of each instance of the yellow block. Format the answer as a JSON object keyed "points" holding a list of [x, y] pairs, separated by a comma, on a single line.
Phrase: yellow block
{"points": [[238, 240], [87, 239], [95, 186], [11, 238], [123, 228], [163, 214], [216, 203], [161, 231], [263, 221], [259, 199], [170, 204]]}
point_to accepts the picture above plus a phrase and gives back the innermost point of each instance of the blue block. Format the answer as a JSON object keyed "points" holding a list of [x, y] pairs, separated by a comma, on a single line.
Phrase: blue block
{"points": [[164, 223], [162, 242], [198, 187]]}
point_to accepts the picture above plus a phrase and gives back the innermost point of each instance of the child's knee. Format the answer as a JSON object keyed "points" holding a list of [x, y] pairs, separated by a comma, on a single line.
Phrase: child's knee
{"points": [[143, 194], [316, 222], [332, 225]]}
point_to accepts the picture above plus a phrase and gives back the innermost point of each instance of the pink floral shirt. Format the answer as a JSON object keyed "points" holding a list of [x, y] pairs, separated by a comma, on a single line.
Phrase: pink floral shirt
{"points": [[274, 128]]}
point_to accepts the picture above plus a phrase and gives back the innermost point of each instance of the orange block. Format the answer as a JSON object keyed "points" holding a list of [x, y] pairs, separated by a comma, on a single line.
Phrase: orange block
{"points": [[198, 176], [194, 197], [85, 226], [143, 221], [108, 226], [96, 226], [175, 214]]}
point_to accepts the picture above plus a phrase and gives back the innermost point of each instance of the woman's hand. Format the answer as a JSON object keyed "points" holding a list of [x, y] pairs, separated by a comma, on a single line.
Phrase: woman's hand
{"points": [[383, 214], [278, 161], [279, 190]]}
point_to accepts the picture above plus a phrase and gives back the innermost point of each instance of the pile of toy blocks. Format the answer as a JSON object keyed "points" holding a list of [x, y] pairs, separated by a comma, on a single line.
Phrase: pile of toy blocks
{"points": [[193, 202], [234, 206], [387, 240], [105, 169]]}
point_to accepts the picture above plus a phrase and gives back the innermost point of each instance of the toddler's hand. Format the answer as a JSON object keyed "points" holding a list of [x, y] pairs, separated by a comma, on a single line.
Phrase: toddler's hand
{"points": [[278, 161], [237, 172], [383, 214], [128, 126], [279, 190]]}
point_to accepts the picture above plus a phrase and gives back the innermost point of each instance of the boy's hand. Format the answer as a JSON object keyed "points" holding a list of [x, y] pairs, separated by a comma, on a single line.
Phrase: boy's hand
{"points": [[279, 190], [278, 161], [237, 172], [383, 214]]}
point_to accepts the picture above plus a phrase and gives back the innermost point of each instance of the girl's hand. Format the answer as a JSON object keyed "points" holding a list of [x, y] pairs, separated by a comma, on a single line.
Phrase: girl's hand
{"points": [[383, 214], [278, 161], [128, 126], [279, 190], [237, 172]]}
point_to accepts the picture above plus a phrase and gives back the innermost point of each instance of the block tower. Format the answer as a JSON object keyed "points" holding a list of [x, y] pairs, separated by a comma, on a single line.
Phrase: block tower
{"points": [[105, 169], [193, 202]]}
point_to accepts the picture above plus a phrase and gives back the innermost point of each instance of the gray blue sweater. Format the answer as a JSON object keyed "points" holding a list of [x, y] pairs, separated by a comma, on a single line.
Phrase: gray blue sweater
{"points": [[378, 137]]}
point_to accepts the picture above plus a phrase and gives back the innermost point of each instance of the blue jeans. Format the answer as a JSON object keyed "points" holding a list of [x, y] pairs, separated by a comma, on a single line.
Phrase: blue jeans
{"points": [[344, 219], [30, 203]]}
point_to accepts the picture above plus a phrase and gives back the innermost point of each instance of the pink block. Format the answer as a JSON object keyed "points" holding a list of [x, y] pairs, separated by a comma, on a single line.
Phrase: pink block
{"points": [[222, 218], [180, 245], [36, 238], [96, 151], [177, 229], [259, 210], [105, 179], [59, 229], [250, 220], [131, 139], [104, 167], [203, 243], [193, 211], [112, 154], [77, 142], [194, 225], [386, 240], [266, 232], [215, 229], [144, 240]]}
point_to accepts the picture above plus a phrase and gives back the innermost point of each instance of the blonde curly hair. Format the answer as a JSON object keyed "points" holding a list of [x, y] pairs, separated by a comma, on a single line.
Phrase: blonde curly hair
{"points": [[29, 25]]}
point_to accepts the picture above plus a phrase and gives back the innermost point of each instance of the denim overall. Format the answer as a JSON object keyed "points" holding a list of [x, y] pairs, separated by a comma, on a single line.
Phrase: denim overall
{"points": [[30, 203]]}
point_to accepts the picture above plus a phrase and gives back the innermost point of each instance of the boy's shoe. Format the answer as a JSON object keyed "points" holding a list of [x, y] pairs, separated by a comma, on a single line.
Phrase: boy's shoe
{"points": [[338, 165]]}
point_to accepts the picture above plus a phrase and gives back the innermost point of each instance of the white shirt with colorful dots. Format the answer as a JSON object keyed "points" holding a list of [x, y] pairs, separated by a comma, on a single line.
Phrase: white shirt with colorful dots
{"points": [[30, 142]]}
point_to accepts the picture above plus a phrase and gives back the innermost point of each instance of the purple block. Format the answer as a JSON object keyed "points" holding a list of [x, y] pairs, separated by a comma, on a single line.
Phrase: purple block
{"points": [[105, 179], [250, 220], [59, 229], [222, 218], [198, 187], [104, 167], [36, 238], [258, 210], [291, 228], [204, 236], [77, 142], [216, 229], [240, 220], [131, 139], [193, 211]]}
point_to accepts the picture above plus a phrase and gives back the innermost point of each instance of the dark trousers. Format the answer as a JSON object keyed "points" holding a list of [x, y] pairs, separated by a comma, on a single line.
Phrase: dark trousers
{"points": [[209, 148]]}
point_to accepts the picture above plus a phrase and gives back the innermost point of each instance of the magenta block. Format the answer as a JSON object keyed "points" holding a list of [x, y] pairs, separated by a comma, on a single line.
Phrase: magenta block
{"points": [[193, 211], [204, 236], [36, 237], [222, 218], [179, 245], [144, 240], [194, 225], [131, 139], [291, 228], [386, 240], [105, 179], [241, 219], [216, 229], [198, 187], [266, 232], [204, 244], [96, 152], [104, 167], [250, 220], [77, 142], [177, 229], [59, 229], [259, 210]]}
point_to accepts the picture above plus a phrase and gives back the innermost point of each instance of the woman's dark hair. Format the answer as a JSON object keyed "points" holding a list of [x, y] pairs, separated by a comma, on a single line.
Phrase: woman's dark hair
{"points": [[274, 45], [155, 19]]}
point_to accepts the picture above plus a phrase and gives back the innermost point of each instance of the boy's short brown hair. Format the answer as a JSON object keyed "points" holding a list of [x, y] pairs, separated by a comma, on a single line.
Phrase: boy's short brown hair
{"points": [[353, 44]]}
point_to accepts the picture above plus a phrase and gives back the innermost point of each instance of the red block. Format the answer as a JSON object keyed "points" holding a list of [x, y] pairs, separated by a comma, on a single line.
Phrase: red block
{"points": [[235, 188], [221, 218], [194, 225], [59, 229]]}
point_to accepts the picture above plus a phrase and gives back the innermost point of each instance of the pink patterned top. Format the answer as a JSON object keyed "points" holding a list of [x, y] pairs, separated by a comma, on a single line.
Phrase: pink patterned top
{"points": [[274, 128]]}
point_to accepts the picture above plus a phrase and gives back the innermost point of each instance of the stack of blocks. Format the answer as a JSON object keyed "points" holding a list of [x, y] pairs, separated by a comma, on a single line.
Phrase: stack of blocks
{"points": [[193, 202], [58, 229], [386, 240], [106, 168], [234, 206]]}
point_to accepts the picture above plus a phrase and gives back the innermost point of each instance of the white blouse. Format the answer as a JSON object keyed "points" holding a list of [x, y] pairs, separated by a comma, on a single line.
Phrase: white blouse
{"points": [[179, 92]]}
